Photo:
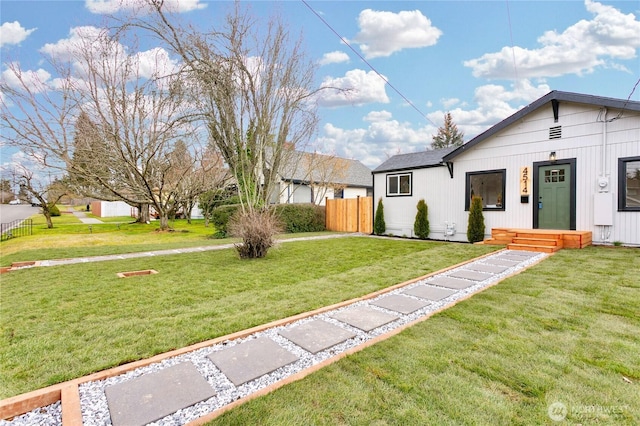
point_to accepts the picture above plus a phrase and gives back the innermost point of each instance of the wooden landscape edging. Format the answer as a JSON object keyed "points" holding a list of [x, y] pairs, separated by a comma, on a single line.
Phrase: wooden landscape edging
{"points": [[68, 392]]}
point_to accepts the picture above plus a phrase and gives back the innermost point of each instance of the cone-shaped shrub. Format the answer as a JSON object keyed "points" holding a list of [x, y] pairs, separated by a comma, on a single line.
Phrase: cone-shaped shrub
{"points": [[379, 227], [475, 227], [421, 224]]}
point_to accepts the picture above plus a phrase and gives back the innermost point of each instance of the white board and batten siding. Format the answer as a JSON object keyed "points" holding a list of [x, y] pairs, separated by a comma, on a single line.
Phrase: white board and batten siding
{"points": [[522, 144], [430, 184]]}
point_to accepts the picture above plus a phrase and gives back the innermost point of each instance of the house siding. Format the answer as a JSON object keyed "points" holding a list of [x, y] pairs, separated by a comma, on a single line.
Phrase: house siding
{"points": [[521, 144]]}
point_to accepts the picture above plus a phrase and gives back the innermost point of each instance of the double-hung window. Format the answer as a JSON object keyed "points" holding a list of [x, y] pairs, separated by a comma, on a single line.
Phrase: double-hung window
{"points": [[399, 184], [488, 185], [629, 184]]}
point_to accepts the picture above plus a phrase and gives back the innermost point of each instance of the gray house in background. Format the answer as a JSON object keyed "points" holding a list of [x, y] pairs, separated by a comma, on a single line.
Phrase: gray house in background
{"points": [[307, 177], [567, 161]]}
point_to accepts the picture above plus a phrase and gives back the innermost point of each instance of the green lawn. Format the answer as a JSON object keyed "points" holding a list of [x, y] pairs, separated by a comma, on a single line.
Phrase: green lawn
{"points": [[72, 238], [63, 322], [565, 331]]}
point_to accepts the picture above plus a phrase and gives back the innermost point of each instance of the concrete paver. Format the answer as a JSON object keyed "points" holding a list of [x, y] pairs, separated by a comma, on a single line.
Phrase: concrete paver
{"points": [[470, 275], [454, 283], [515, 256], [502, 262], [492, 269], [364, 317], [400, 303], [316, 335], [251, 359], [428, 292], [151, 397]]}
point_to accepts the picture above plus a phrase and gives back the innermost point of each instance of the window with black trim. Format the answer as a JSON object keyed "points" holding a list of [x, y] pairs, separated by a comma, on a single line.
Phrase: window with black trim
{"points": [[629, 184], [488, 185], [399, 184]]}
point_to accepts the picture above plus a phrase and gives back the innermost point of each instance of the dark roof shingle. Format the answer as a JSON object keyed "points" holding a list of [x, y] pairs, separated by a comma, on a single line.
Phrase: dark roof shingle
{"points": [[304, 167], [414, 160]]}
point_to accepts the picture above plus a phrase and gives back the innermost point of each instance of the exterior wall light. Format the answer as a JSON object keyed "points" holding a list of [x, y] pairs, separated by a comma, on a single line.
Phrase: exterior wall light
{"points": [[552, 156]]}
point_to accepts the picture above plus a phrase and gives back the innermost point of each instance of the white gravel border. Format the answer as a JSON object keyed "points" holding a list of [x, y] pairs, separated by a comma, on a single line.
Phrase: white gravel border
{"points": [[93, 401]]}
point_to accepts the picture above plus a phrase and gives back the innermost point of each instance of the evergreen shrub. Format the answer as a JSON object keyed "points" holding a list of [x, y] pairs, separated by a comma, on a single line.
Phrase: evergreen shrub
{"points": [[379, 227], [475, 226], [421, 224]]}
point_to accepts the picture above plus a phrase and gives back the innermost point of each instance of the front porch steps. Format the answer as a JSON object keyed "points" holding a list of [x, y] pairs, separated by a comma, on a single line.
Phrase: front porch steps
{"points": [[539, 240]]}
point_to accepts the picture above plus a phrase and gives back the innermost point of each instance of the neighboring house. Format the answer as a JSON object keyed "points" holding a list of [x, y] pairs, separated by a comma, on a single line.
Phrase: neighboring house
{"points": [[566, 161], [312, 178]]}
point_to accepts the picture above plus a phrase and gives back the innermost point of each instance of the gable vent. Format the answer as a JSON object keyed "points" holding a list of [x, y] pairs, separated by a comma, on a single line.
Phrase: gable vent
{"points": [[555, 132]]}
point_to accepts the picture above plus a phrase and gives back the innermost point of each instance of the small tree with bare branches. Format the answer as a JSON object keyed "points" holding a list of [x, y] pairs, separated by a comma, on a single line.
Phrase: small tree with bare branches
{"points": [[254, 92]]}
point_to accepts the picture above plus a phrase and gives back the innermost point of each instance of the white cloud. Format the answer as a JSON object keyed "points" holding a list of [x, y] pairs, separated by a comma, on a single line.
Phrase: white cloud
{"points": [[494, 104], [357, 87], [372, 145], [13, 33], [88, 42], [36, 81], [79, 39], [374, 116], [334, 57], [448, 103], [113, 6], [155, 62], [385, 136], [383, 33], [580, 49]]}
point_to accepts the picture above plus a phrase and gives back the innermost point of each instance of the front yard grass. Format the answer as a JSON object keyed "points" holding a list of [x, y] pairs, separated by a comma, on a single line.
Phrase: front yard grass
{"points": [[63, 322], [564, 331]]}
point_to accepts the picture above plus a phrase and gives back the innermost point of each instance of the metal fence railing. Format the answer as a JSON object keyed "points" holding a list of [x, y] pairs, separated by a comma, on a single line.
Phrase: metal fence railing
{"points": [[17, 228]]}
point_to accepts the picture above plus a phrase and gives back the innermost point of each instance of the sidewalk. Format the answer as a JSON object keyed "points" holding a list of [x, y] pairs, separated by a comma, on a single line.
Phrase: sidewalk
{"points": [[196, 384], [83, 217], [89, 259]]}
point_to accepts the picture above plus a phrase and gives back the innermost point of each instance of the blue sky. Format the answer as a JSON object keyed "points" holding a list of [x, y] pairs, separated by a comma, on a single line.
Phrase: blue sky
{"points": [[479, 60]]}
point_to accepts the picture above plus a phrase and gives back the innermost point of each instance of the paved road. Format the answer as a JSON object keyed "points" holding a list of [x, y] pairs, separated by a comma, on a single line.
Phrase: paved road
{"points": [[9, 213]]}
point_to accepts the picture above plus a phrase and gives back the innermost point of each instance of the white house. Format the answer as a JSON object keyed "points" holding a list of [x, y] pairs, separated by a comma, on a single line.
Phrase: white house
{"points": [[567, 161], [307, 177]]}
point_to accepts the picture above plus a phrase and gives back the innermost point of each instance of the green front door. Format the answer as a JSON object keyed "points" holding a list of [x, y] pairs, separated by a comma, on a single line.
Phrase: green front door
{"points": [[554, 200]]}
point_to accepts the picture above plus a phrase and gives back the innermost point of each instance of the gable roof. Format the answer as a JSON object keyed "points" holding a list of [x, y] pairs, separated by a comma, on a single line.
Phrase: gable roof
{"points": [[414, 160], [553, 96], [305, 167]]}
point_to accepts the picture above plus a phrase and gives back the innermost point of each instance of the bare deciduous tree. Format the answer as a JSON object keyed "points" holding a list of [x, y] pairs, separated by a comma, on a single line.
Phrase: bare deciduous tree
{"points": [[46, 194], [108, 121], [254, 91]]}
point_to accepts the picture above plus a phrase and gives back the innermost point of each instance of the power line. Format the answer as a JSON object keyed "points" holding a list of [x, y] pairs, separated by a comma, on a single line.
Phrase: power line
{"points": [[627, 101], [513, 49], [368, 64]]}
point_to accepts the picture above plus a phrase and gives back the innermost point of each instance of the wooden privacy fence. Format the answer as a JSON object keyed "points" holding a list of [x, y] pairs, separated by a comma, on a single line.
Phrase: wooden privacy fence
{"points": [[350, 215]]}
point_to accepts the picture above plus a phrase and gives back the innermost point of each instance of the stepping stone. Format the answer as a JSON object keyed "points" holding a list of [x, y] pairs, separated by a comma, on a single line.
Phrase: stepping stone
{"points": [[487, 268], [454, 283], [502, 262], [519, 256], [399, 303], [316, 335], [155, 395], [522, 253], [251, 359], [430, 293], [364, 317], [470, 275]]}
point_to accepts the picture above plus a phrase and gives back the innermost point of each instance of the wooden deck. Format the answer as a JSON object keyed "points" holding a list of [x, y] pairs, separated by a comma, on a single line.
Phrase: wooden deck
{"points": [[540, 240]]}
